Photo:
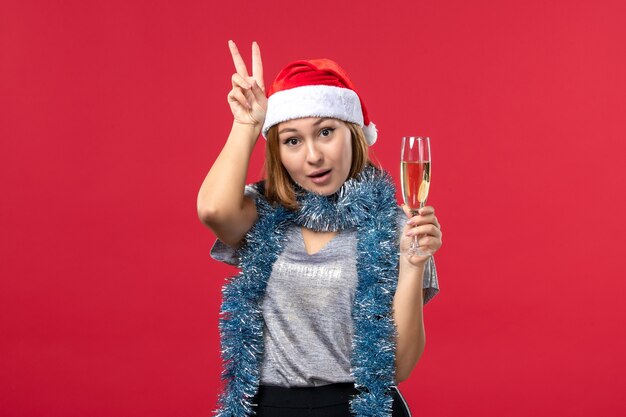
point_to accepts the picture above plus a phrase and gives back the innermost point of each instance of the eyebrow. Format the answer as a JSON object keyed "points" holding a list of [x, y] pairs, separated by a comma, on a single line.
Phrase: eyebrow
{"points": [[291, 129]]}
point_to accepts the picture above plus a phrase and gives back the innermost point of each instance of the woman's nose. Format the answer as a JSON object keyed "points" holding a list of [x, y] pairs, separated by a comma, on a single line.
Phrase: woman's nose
{"points": [[313, 154]]}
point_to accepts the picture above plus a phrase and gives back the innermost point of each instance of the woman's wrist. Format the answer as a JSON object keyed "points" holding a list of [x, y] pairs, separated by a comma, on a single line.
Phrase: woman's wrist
{"points": [[247, 127], [407, 267], [250, 132]]}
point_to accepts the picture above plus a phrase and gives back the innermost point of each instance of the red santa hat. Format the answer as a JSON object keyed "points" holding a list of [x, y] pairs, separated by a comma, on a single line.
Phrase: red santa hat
{"points": [[316, 88]]}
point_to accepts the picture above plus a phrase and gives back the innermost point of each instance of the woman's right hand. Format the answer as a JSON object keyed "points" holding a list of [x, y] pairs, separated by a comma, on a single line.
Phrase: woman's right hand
{"points": [[247, 99]]}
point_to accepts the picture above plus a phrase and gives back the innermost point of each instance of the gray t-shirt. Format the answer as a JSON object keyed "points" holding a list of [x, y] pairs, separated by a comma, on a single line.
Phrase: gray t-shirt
{"points": [[307, 308]]}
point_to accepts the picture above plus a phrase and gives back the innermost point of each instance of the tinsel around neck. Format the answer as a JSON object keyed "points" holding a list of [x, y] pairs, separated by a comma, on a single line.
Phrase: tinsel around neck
{"points": [[366, 202], [346, 207]]}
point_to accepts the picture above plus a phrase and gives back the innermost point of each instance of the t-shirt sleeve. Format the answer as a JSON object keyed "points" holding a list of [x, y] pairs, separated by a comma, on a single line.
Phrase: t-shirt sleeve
{"points": [[222, 252], [431, 283]]}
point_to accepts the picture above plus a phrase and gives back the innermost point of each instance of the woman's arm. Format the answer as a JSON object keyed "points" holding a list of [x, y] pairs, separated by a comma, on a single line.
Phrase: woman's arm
{"points": [[408, 301], [408, 304], [221, 202]]}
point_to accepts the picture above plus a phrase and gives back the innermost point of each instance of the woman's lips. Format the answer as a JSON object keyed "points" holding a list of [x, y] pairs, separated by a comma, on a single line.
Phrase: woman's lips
{"points": [[322, 179]]}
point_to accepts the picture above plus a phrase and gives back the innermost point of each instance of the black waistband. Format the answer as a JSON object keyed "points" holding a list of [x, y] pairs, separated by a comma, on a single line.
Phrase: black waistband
{"points": [[303, 397]]}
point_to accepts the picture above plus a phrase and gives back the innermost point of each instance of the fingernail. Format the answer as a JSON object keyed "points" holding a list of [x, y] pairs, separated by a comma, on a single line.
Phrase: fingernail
{"points": [[409, 222]]}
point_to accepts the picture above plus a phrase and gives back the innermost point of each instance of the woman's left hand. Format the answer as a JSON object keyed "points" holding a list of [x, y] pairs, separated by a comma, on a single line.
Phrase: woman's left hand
{"points": [[426, 225]]}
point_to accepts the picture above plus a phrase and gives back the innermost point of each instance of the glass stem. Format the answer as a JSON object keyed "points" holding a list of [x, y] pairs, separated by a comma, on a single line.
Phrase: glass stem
{"points": [[415, 242]]}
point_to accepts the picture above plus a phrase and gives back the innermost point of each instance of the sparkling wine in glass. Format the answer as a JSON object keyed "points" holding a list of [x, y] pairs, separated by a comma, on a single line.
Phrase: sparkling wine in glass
{"points": [[415, 179]]}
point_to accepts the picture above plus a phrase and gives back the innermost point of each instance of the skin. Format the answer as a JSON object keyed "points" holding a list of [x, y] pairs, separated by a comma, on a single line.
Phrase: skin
{"points": [[311, 144], [247, 98], [316, 149]]}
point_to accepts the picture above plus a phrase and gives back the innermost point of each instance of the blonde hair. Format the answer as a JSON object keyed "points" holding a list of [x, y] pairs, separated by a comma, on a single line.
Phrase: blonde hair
{"points": [[279, 187]]}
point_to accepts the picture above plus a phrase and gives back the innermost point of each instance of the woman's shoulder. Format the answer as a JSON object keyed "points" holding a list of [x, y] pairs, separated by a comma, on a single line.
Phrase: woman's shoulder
{"points": [[255, 190]]}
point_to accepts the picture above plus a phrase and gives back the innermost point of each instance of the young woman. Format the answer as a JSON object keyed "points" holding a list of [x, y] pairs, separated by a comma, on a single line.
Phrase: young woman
{"points": [[325, 318]]}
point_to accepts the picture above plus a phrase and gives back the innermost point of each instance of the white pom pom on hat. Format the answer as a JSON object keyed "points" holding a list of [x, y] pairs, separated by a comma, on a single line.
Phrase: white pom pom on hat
{"points": [[316, 88]]}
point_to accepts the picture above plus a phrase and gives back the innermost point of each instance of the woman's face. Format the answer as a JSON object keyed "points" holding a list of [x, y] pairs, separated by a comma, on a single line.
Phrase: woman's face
{"points": [[312, 146]]}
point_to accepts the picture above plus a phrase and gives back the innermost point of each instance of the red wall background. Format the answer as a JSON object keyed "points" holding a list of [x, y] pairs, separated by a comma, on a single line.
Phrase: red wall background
{"points": [[111, 114]]}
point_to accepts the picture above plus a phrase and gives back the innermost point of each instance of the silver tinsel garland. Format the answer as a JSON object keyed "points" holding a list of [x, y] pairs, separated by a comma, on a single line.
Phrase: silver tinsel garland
{"points": [[367, 203]]}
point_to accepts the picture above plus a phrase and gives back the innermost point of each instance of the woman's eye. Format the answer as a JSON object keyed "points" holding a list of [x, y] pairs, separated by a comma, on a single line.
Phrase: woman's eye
{"points": [[291, 141], [328, 129]]}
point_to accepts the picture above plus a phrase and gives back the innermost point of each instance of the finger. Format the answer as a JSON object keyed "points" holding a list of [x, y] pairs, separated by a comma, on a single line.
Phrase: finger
{"points": [[238, 60], [427, 210], [429, 229], [257, 65], [425, 219], [426, 229], [416, 219], [434, 231], [431, 219], [249, 94], [258, 93], [239, 81], [426, 241], [237, 95]]}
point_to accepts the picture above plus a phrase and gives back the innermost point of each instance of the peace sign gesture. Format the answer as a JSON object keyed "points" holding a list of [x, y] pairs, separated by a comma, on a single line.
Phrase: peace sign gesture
{"points": [[247, 98]]}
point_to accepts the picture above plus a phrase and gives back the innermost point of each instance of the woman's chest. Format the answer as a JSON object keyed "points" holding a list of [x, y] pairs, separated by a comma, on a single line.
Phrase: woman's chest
{"points": [[325, 278]]}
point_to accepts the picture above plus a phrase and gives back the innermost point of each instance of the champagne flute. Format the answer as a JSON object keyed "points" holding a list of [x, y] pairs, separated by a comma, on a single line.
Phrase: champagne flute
{"points": [[415, 179]]}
